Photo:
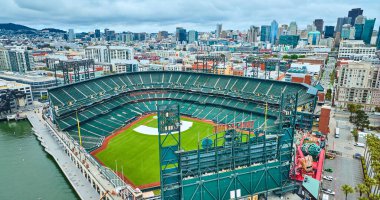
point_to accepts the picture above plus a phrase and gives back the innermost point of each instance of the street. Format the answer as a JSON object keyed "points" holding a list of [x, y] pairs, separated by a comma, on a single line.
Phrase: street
{"points": [[346, 169]]}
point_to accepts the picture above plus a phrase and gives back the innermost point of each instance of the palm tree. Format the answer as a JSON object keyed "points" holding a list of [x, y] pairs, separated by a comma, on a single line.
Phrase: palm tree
{"points": [[374, 196], [369, 182], [347, 189], [362, 188]]}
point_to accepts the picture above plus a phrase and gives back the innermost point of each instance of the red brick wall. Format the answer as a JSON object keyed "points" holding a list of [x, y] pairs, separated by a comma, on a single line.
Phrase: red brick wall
{"points": [[297, 79], [321, 97], [324, 120]]}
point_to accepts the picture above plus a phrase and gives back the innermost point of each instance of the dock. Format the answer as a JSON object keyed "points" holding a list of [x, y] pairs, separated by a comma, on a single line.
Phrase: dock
{"points": [[52, 146]]}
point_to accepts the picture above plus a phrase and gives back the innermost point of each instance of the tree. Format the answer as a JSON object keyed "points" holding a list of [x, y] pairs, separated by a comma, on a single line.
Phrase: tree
{"points": [[355, 134], [363, 198], [328, 94], [362, 188], [332, 77], [377, 109], [360, 120], [369, 182], [351, 108], [285, 57], [293, 56], [347, 189], [374, 196]]}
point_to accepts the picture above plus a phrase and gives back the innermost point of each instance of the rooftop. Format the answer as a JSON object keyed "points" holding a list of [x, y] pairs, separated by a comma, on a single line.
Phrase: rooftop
{"points": [[4, 84], [28, 77]]}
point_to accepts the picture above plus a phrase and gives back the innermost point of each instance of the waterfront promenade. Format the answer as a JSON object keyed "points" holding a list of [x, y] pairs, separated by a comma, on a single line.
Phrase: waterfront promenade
{"points": [[56, 150]]}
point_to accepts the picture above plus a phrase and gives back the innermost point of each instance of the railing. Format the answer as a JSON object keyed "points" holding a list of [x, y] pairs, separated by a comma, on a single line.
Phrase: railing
{"points": [[115, 180]]}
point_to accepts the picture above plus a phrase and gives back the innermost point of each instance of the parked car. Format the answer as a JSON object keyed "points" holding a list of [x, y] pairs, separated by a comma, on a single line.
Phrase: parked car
{"points": [[329, 178], [328, 170], [328, 191], [357, 155], [359, 144]]}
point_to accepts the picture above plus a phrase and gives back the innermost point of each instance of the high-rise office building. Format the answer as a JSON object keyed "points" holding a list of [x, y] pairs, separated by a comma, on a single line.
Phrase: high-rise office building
{"points": [[292, 29], [345, 34], [378, 40], [265, 33], [192, 36], [353, 13], [180, 34], [367, 30], [97, 33], [162, 35], [318, 23], [358, 31], [218, 30], [273, 32], [342, 21], [314, 37], [360, 19], [253, 33], [289, 40], [329, 31], [71, 35]]}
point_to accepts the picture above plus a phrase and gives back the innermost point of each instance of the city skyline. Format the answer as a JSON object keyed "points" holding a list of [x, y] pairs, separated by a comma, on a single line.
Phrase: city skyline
{"points": [[152, 16]]}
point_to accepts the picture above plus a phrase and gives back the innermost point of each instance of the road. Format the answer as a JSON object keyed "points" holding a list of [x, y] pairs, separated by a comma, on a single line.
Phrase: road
{"points": [[344, 115], [329, 68], [347, 170]]}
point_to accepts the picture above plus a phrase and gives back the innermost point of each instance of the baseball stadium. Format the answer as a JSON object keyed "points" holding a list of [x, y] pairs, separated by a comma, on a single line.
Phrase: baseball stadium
{"points": [[189, 135]]}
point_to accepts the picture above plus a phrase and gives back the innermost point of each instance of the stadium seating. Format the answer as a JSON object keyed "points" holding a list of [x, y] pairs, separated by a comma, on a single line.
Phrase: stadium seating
{"points": [[105, 104]]}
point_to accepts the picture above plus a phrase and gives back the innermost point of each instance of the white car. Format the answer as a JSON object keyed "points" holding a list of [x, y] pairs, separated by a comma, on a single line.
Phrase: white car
{"points": [[328, 191], [329, 178], [359, 144]]}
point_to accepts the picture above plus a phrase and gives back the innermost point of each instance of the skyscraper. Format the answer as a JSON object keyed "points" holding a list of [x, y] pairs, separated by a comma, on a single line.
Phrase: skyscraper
{"points": [[193, 36], [340, 22], [314, 37], [71, 35], [162, 35], [180, 34], [353, 13], [345, 34], [367, 30], [329, 31], [292, 30], [218, 30], [318, 23], [253, 33], [273, 32], [289, 40], [358, 31], [360, 19], [265, 33], [97, 33], [378, 40]]}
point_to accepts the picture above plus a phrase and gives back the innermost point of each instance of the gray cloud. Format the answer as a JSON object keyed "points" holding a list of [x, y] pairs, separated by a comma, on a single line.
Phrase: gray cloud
{"points": [[154, 15]]}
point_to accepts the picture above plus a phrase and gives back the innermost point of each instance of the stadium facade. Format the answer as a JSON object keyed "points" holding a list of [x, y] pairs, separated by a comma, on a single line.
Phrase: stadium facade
{"points": [[261, 164]]}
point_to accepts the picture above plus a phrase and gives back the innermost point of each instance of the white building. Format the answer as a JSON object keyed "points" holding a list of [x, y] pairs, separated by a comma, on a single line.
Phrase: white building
{"points": [[359, 83], [108, 54], [120, 58], [16, 60], [13, 85], [355, 50]]}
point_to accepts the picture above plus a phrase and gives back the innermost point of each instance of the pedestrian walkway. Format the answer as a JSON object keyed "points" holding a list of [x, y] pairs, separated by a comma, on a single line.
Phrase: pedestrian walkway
{"points": [[52, 145]]}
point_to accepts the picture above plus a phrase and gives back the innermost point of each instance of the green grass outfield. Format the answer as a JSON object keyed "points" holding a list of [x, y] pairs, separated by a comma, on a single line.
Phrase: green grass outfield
{"points": [[137, 154]]}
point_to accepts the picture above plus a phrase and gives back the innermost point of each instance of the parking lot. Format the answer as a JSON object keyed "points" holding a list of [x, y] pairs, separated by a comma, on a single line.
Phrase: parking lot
{"points": [[346, 169]]}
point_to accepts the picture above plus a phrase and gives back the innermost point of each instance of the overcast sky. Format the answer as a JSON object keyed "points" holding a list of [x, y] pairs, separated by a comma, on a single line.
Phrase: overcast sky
{"points": [[155, 15]]}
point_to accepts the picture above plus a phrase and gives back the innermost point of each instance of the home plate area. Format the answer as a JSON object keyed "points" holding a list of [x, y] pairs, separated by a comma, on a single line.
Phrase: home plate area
{"points": [[185, 125]]}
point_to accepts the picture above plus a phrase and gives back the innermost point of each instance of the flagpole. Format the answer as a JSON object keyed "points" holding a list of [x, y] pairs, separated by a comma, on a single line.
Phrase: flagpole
{"points": [[79, 135]]}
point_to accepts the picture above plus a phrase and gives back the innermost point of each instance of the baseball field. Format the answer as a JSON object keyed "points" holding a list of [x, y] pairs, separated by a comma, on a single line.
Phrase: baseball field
{"points": [[133, 150]]}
